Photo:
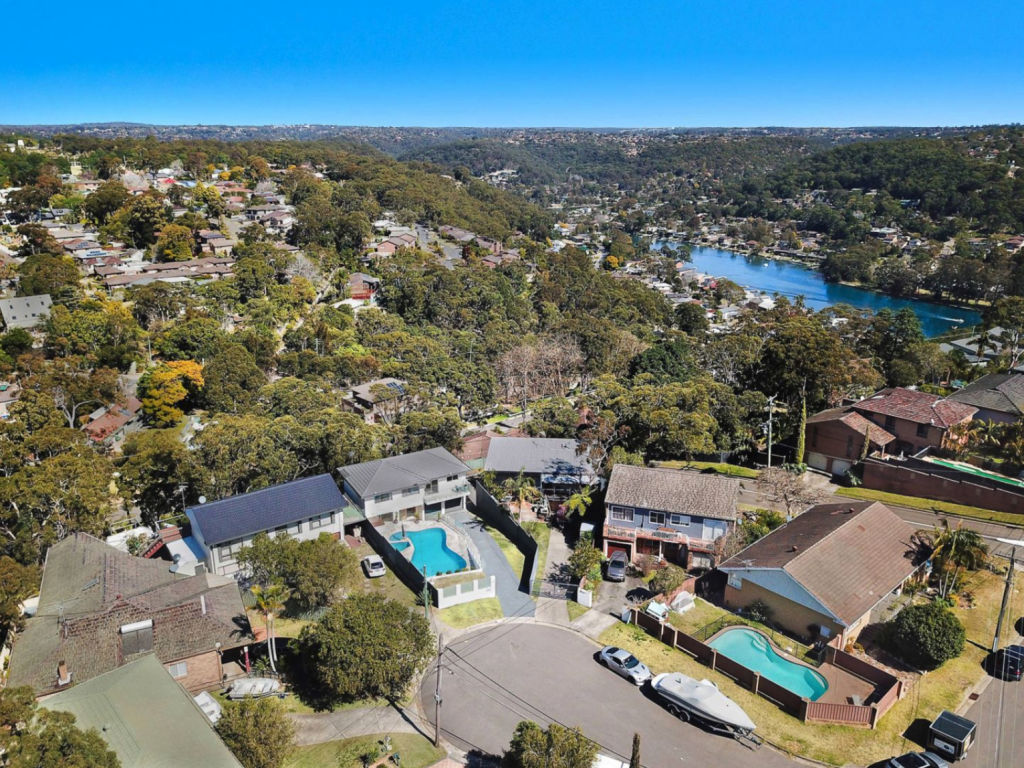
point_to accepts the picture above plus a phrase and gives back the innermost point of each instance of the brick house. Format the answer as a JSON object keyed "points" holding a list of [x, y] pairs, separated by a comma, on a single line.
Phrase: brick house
{"points": [[836, 437], [100, 608], [917, 420], [826, 571], [670, 514]]}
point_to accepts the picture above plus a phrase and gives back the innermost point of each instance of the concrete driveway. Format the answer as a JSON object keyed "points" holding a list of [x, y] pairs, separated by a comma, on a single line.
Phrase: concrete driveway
{"points": [[497, 676]]}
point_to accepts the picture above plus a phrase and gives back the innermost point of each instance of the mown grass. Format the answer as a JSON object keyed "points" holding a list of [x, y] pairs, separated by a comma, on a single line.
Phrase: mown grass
{"points": [[472, 613], [541, 533], [508, 549], [575, 609], [944, 688], [416, 752], [721, 468], [932, 505]]}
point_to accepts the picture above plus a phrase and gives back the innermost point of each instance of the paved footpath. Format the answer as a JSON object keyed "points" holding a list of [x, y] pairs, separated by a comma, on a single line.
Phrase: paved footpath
{"points": [[358, 721]]}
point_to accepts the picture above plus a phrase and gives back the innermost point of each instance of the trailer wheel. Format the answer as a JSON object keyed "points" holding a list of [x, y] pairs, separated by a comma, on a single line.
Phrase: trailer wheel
{"points": [[679, 712]]}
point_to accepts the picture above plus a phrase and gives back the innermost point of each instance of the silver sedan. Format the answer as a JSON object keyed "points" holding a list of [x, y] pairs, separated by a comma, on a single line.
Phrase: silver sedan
{"points": [[625, 663]]}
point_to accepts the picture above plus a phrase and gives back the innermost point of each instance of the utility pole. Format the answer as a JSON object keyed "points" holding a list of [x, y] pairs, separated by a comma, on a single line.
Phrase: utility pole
{"points": [[437, 696], [1014, 543], [771, 408]]}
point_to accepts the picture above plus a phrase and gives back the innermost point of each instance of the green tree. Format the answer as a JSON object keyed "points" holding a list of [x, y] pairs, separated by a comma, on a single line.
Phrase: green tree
{"points": [[579, 501], [585, 561], [270, 602], [522, 489], [17, 582], [954, 550], [667, 579], [154, 471], [316, 570], [556, 747], [926, 635], [257, 731], [105, 200], [692, 318], [232, 380], [364, 647], [170, 385], [48, 273], [1007, 313], [634, 757], [420, 430], [32, 737], [175, 244], [140, 219], [102, 330]]}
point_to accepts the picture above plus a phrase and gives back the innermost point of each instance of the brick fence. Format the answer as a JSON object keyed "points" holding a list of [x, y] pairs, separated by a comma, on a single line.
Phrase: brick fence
{"points": [[887, 687], [916, 478]]}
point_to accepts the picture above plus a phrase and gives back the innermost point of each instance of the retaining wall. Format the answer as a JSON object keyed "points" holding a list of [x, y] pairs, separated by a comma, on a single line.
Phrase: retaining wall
{"points": [[464, 592], [914, 478]]}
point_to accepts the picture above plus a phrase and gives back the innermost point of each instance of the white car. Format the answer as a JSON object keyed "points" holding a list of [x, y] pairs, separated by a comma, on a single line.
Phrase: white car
{"points": [[625, 663], [373, 566]]}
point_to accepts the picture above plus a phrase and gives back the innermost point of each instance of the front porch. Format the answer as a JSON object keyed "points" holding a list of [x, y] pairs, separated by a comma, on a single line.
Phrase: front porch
{"points": [[662, 544]]}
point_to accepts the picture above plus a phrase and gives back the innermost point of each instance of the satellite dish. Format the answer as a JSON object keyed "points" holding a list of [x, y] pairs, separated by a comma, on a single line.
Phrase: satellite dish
{"points": [[202, 499]]}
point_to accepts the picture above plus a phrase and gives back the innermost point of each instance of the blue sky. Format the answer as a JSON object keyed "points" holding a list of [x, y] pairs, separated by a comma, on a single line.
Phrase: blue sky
{"points": [[519, 63]]}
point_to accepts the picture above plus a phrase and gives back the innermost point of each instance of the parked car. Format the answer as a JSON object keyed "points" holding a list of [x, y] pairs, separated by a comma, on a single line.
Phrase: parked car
{"points": [[625, 663], [918, 760], [1007, 663], [616, 568], [373, 566]]}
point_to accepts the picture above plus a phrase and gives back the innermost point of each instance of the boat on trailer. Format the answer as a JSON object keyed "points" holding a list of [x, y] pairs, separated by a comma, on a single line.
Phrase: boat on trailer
{"points": [[700, 700]]}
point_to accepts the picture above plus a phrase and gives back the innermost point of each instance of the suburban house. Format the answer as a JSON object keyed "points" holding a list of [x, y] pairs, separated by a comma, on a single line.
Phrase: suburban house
{"points": [[836, 439], [303, 509], [379, 400], [100, 608], [556, 465], [825, 572], [25, 311], [999, 397], [916, 419], [429, 482], [668, 514], [109, 425], [145, 718], [10, 393]]}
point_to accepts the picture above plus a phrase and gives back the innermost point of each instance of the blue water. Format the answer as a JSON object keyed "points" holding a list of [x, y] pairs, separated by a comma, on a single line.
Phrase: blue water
{"points": [[753, 651], [431, 551], [789, 279]]}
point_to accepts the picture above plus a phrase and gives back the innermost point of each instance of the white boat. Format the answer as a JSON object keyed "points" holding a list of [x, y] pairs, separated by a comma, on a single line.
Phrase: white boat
{"points": [[254, 688], [685, 696]]}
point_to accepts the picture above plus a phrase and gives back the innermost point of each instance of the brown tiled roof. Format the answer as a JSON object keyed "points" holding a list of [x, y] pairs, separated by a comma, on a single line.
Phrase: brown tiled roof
{"points": [[847, 555], [111, 421], [674, 491], [915, 406], [91, 589], [854, 421]]}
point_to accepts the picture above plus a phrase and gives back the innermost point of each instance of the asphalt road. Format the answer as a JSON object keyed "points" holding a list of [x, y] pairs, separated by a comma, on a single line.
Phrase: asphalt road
{"points": [[995, 746], [522, 671]]}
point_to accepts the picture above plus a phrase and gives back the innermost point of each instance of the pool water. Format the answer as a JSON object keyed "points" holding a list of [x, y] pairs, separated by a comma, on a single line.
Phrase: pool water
{"points": [[754, 651], [430, 551], [972, 470]]}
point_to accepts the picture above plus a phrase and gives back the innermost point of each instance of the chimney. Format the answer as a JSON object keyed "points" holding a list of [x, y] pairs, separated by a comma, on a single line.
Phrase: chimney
{"points": [[63, 676], [202, 603]]}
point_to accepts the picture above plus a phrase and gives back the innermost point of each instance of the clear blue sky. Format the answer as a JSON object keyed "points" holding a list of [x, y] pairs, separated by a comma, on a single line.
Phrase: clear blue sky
{"points": [[517, 62]]}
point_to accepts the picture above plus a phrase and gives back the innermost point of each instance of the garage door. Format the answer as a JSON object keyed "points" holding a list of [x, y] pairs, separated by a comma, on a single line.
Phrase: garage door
{"points": [[840, 467], [817, 461], [617, 546]]}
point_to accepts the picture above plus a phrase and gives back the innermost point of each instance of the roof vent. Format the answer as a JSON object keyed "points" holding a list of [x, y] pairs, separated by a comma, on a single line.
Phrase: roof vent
{"points": [[63, 675], [794, 548]]}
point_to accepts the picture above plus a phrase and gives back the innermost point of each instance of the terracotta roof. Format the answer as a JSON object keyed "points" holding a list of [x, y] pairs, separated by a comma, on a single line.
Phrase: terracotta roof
{"points": [[847, 555], [111, 421], [854, 421], [1002, 392], [915, 406], [674, 491], [91, 589]]}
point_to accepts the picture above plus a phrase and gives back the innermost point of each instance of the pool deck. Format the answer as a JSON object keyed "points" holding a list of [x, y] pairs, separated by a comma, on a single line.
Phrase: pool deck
{"points": [[456, 540], [843, 687]]}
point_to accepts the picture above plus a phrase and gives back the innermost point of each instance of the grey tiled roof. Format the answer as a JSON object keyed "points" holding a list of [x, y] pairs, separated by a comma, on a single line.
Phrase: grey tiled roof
{"points": [[537, 456], [674, 491], [264, 510], [398, 472], [1002, 392], [91, 589]]}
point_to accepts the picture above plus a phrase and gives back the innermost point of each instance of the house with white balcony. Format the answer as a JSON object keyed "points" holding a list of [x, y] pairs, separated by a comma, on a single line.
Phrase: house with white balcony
{"points": [[413, 485]]}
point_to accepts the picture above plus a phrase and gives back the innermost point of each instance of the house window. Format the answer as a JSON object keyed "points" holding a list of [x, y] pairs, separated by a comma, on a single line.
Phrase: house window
{"points": [[178, 670], [228, 551], [323, 520], [622, 513], [382, 497], [452, 478], [890, 423], [682, 520], [922, 430], [735, 581], [411, 491], [137, 637], [656, 518]]}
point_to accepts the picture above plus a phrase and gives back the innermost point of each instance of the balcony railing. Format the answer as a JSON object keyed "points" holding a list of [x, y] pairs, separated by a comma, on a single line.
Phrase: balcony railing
{"points": [[446, 493]]}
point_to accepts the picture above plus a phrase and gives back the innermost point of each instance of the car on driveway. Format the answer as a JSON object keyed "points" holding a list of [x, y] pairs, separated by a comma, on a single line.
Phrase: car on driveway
{"points": [[615, 570], [918, 760], [625, 663], [1007, 663], [373, 566]]}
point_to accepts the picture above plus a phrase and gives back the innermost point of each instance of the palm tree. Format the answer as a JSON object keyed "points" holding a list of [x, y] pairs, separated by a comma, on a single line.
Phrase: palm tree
{"points": [[270, 600], [955, 549], [579, 501], [522, 489]]}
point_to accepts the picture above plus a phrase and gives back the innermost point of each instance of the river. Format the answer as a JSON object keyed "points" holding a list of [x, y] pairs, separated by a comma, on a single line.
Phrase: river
{"points": [[790, 279]]}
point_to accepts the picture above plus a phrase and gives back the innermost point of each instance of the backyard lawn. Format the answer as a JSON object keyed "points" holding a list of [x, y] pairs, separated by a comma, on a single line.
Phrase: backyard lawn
{"points": [[944, 688], [721, 468], [512, 554], [386, 586], [931, 505], [472, 613], [541, 533], [416, 752]]}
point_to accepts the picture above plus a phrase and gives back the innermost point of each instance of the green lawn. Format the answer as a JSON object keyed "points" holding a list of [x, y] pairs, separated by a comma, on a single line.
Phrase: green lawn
{"points": [[541, 532], [732, 470], [386, 586], [512, 554], [416, 752], [472, 613], [931, 505], [943, 688], [575, 609]]}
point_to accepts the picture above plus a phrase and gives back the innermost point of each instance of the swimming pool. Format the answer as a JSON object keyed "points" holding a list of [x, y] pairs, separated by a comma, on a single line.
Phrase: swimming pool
{"points": [[754, 651], [430, 551], [972, 470]]}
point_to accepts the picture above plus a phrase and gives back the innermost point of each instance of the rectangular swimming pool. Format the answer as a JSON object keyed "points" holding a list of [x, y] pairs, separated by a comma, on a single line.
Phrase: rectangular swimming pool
{"points": [[754, 651]]}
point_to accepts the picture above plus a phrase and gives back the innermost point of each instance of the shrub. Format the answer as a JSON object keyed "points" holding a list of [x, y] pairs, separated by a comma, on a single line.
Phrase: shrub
{"points": [[926, 635], [585, 561], [759, 611], [667, 579]]}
